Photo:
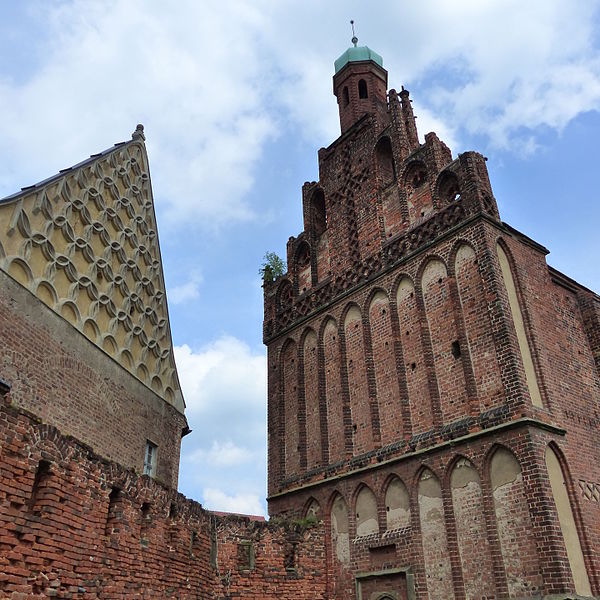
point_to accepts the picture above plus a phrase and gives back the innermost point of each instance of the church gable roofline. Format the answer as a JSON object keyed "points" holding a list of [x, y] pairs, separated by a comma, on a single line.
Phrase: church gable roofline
{"points": [[85, 242]]}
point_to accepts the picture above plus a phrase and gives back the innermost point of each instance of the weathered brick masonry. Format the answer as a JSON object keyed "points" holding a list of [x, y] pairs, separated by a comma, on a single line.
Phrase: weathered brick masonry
{"points": [[75, 525], [433, 384], [57, 374]]}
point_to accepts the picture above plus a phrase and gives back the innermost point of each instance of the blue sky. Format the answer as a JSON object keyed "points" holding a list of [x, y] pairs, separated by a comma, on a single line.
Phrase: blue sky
{"points": [[236, 99]]}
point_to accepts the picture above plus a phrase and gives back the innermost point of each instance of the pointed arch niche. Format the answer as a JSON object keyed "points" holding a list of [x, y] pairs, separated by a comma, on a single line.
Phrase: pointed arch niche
{"points": [[360, 406], [567, 523], [409, 319], [333, 391], [517, 317], [443, 330], [513, 520], [386, 376], [473, 546], [397, 505], [289, 370], [311, 398], [366, 512], [478, 328], [340, 537], [313, 509], [438, 569]]}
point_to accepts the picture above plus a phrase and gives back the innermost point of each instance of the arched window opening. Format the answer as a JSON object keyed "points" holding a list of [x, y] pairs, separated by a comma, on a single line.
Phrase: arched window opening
{"points": [[362, 89], [303, 255], [416, 175], [418, 178], [385, 161], [448, 188], [319, 214], [346, 96]]}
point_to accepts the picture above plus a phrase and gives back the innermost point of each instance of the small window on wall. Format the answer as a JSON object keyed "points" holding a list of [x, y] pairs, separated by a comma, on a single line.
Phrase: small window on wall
{"points": [[150, 459], [346, 96], [362, 89]]}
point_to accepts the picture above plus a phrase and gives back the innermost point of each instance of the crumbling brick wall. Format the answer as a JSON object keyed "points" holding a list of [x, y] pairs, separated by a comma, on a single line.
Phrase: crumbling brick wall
{"points": [[74, 525]]}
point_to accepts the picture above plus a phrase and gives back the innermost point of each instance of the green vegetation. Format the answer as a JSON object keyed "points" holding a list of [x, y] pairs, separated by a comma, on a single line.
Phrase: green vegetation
{"points": [[296, 524], [272, 267]]}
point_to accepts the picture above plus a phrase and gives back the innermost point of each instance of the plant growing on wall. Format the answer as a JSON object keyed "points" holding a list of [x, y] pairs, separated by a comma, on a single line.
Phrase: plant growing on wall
{"points": [[272, 267]]}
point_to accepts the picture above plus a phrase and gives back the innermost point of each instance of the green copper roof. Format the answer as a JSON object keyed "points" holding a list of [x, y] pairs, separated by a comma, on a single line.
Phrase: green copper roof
{"points": [[357, 54]]}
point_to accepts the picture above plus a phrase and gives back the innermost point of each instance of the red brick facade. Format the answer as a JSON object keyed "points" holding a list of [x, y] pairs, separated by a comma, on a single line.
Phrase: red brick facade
{"points": [[452, 366], [56, 373]]}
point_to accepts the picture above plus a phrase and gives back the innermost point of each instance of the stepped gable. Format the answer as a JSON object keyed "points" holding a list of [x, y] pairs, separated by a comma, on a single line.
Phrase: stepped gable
{"points": [[85, 242]]}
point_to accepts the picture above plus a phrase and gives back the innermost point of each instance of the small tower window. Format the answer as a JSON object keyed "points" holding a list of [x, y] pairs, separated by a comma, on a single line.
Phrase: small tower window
{"points": [[385, 161], [362, 89], [319, 214], [346, 96], [150, 459]]}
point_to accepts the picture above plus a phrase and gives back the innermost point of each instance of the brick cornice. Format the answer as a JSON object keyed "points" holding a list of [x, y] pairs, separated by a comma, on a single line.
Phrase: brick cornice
{"points": [[516, 424]]}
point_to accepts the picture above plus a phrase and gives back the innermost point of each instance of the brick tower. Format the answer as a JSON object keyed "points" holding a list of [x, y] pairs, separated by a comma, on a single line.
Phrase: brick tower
{"points": [[433, 383]]}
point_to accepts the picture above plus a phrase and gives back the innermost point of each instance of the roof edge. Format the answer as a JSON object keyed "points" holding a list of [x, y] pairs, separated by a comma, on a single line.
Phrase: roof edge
{"points": [[137, 136]]}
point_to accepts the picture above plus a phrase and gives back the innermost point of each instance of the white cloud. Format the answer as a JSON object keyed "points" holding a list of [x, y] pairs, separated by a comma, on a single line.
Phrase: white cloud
{"points": [[492, 68], [223, 375], [506, 68], [190, 290], [184, 292], [221, 454], [224, 385], [246, 504], [191, 75], [214, 83]]}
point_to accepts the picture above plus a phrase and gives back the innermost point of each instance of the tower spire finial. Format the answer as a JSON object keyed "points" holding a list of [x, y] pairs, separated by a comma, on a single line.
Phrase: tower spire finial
{"points": [[354, 38]]}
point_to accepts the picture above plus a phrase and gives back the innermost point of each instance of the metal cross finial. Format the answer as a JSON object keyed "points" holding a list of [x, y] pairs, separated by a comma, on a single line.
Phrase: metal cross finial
{"points": [[354, 38]]}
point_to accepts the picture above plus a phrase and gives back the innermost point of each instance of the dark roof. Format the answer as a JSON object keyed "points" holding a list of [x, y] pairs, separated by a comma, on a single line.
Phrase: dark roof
{"points": [[28, 188], [136, 135]]}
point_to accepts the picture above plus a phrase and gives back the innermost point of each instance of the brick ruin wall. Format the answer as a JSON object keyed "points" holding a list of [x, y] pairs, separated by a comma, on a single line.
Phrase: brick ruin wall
{"points": [[75, 525]]}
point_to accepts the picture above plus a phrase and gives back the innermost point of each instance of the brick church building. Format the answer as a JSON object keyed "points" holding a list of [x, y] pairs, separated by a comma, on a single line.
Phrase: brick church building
{"points": [[433, 384], [433, 389]]}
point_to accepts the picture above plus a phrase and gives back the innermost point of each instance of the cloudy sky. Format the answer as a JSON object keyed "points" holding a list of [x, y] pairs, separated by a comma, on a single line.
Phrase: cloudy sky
{"points": [[236, 98]]}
